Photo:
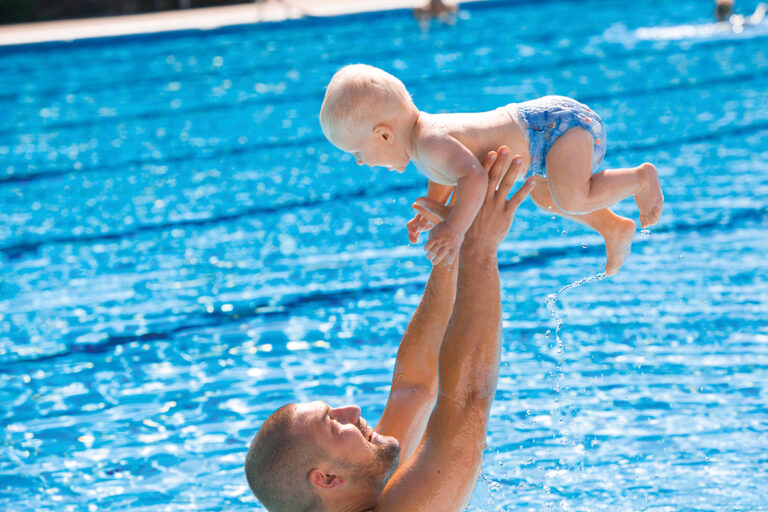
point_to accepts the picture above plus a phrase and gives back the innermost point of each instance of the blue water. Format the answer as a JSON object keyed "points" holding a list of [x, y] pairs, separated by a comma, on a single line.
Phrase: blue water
{"points": [[182, 252]]}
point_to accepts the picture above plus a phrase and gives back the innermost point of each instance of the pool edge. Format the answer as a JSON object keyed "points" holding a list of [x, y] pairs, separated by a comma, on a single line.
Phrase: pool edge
{"points": [[209, 18]]}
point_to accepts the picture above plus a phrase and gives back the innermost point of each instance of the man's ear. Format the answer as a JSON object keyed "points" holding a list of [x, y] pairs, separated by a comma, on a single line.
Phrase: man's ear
{"points": [[325, 480], [384, 132]]}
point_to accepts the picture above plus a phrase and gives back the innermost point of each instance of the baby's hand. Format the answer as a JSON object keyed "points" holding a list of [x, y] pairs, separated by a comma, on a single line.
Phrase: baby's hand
{"points": [[417, 225], [443, 244]]}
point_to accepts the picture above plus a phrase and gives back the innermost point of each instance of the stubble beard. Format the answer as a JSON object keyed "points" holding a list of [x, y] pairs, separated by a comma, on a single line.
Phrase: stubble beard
{"points": [[377, 473]]}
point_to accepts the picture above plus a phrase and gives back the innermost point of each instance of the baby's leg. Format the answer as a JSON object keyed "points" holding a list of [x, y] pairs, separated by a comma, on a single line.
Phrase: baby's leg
{"points": [[577, 191], [616, 230]]}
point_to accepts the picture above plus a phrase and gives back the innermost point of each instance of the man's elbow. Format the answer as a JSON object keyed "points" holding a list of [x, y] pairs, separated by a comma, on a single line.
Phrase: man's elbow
{"points": [[474, 400], [480, 398], [422, 392]]}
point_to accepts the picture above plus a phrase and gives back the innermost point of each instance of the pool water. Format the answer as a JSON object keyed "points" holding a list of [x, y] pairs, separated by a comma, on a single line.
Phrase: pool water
{"points": [[182, 252]]}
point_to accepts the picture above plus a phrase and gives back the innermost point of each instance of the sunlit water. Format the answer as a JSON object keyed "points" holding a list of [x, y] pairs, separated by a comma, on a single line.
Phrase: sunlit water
{"points": [[182, 252]]}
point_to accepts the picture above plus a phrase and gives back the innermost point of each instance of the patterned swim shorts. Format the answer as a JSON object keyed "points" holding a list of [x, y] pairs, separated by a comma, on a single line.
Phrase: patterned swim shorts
{"points": [[548, 118]]}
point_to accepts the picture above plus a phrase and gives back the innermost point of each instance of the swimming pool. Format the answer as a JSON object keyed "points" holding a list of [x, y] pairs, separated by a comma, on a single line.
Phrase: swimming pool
{"points": [[182, 253]]}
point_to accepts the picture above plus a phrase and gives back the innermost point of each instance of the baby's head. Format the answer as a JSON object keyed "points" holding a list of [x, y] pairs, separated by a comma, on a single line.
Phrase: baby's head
{"points": [[369, 113]]}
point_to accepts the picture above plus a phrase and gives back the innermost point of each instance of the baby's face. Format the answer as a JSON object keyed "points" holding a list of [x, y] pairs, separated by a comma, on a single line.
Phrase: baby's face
{"points": [[374, 150]]}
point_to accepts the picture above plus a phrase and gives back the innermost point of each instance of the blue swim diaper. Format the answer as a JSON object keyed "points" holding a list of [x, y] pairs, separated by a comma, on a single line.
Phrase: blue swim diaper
{"points": [[548, 118]]}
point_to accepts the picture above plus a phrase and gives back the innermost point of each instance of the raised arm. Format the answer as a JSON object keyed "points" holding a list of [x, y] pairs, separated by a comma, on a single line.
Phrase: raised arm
{"points": [[452, 159], [441, 475], [414, 384], [438, 193]]}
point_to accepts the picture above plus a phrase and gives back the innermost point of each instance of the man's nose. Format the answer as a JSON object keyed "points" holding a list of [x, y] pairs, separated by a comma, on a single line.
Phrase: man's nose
{"points": [[348, 413], [359, 161]]}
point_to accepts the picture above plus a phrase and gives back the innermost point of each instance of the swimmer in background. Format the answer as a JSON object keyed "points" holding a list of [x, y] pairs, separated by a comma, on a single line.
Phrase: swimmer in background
{"points": [[724, 10], [368, 112], [436, 9]]}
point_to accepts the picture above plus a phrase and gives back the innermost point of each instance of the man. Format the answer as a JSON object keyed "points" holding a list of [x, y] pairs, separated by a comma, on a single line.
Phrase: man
{"points": [[435, 9], [426, 452]]}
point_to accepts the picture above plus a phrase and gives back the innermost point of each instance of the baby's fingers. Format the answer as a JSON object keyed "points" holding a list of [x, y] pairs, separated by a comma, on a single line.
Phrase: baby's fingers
{"points": [[431, 244], [440, 255]]}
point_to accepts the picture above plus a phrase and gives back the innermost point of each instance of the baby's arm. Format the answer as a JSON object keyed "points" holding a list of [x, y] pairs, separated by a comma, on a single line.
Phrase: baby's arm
{"points": [[419, 223], [438, 192], [452, 159]]}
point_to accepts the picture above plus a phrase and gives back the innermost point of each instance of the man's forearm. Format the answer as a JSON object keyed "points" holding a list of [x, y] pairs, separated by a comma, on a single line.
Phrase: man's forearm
{"points": [[469, 358], [414, 383], [417, 356]]}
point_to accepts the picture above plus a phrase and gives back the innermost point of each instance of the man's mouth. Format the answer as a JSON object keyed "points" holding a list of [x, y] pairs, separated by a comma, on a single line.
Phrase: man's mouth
{"points": [[366, 431]]}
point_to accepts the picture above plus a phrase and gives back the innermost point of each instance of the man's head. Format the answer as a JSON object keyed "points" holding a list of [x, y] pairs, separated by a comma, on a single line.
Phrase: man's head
{"points": [[307, 457], [369, 113], [723, 9]]}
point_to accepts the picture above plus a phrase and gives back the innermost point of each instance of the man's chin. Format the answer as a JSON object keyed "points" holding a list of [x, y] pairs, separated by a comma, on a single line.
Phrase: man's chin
{"points": [[388, 456]]}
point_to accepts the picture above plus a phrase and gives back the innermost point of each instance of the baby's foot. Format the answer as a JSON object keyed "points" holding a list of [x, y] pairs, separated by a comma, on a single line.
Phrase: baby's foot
{"points": [[618, 241], [649, 197]]}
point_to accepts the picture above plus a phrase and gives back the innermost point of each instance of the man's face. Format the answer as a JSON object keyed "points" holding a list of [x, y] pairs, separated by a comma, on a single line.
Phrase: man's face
{"points": [[348, 441]]}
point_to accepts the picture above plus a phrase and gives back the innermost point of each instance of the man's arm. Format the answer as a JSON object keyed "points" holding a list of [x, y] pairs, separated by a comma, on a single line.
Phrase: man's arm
{"points": [[442, 473], [414, 384]]}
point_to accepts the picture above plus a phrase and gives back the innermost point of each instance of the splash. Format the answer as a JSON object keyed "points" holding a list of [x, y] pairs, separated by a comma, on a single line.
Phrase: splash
{"points": [[551, 299], [557, 413], [738, 27]]}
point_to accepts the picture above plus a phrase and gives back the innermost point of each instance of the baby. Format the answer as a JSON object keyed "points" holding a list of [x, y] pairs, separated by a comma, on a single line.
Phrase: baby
{"points": [[368, 112]]}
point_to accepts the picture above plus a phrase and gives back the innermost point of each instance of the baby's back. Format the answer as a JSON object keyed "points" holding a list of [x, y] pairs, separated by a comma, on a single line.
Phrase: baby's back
{"points": [[482, 132]]}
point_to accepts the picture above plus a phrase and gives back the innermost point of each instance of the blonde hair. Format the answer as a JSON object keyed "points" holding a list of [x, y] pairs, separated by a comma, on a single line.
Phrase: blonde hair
{"points": [[359, 93]]}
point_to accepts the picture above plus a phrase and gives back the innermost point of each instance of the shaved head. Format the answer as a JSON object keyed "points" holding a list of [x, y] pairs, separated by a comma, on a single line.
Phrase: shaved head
{"points": [[278, 463]]}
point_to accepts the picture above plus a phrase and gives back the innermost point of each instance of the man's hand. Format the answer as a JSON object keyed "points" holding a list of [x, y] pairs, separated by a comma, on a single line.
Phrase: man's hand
{"points": [[500, 167], [493, 221]]}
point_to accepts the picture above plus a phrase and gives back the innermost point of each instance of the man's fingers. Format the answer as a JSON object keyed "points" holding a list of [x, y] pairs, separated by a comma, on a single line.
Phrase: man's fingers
{"points": [[509, 178], [497, 169], [518, 197], [432, 210], [488, 160]]}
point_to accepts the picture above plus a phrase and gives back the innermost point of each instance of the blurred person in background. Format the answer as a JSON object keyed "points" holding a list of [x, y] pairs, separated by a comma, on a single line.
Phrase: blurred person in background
{"points": [[436, 9], [723, 9], [724, 12]]}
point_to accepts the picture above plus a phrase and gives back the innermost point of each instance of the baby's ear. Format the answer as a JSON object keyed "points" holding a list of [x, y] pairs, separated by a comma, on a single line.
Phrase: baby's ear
{"points": [[384, 131]]}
